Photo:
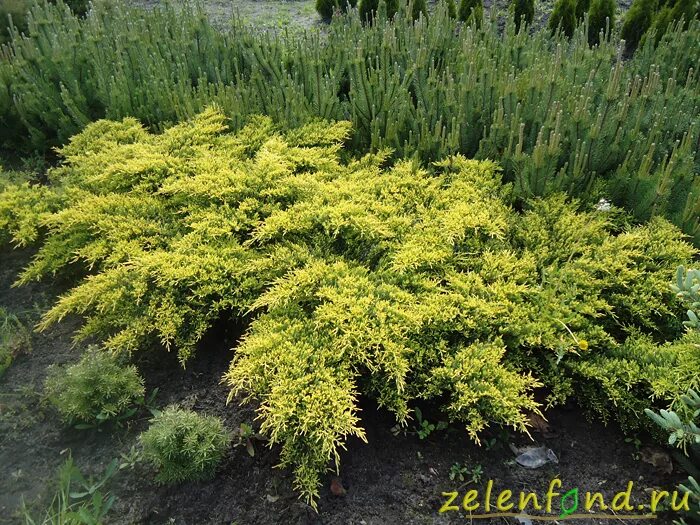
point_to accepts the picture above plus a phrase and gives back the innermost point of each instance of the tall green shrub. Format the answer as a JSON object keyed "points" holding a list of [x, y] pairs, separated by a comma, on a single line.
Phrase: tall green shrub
{"points": [[451, 8], [326, 8], [601, 17], [563, 17], [523, 10], [471, 12], [638, 20], [582, 7], [418, 8], [369, 9]]}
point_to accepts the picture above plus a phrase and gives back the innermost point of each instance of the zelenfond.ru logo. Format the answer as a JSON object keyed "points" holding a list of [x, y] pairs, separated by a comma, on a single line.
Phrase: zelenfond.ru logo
{"points": [[559, 504]]}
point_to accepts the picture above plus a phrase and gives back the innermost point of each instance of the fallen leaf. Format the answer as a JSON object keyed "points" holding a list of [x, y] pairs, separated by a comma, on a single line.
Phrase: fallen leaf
{"points": [[271, 498], [337, 488], [541, 425]]}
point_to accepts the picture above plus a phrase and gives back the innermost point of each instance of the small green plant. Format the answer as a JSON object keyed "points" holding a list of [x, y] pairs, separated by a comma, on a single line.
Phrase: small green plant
{"points": [[77, 500], [246, 437], [476, 473], [687, 288], [425, 428], [563, 17], [14, 338], [471, 12], [684, 433], [451, 8], [637, 444], [458, 472], [461, 472], [129, 460], [97, 389], [601, 19], [523, 11], [184, 445]]}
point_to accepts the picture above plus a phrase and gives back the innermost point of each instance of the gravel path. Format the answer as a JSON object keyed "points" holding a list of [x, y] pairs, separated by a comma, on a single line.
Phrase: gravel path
{"points": [[281, 14]]}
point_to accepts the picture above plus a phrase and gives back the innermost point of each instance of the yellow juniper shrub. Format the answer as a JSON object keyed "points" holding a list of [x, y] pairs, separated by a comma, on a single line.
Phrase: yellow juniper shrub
{"points": [[395, 282]]}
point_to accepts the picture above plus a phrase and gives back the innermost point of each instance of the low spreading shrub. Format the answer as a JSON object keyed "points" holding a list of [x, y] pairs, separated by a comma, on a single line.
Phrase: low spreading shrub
{"points": [[361, 278], [184, 445], [96, 389]]}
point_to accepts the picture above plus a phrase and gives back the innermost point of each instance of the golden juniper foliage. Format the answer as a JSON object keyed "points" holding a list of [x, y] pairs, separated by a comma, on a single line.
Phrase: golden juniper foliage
{"points": [[396, 283]]}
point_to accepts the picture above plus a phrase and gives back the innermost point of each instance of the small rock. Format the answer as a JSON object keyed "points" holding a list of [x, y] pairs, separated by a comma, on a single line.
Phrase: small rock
{"points": [[658, 458]]}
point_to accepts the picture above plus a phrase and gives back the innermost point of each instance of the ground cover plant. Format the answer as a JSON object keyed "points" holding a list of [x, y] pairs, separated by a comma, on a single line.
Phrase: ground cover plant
{"points": [[360, 279], [557, 114]]}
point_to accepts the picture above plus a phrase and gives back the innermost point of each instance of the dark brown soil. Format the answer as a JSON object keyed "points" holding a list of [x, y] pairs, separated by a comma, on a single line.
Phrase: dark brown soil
{"points": [[391, 480]]}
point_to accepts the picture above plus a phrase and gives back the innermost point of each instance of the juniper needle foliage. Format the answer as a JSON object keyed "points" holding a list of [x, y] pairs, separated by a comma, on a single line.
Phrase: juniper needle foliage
{"points": [[362, 277]]}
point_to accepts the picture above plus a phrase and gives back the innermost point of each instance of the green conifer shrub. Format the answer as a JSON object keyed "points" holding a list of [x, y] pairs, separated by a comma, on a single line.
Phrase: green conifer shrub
{"points": [[523, 10], [96, 389], [638, 20], [674, 11], [418, 8], [184, 445], [563, 17], [16, 10], [471, 12], [361, 277], [451, 9], [404, 86], [582, 7], [369, 9], [600, 17], [326, 8]]}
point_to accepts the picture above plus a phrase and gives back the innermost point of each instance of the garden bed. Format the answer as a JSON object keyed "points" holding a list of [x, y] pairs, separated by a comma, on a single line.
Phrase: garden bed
{"points": [[390, 480]]}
